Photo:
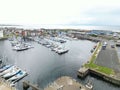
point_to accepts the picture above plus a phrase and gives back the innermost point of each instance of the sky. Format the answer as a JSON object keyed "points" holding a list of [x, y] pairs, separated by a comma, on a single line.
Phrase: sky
{"points": [[70, 12]]}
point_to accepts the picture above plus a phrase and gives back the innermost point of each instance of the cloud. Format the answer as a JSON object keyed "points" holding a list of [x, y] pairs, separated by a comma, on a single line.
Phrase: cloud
{"points": [[71, 12], [105, 15]]}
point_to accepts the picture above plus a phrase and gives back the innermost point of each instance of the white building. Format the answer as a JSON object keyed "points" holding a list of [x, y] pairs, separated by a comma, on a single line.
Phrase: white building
{"points": [[1, 34]]}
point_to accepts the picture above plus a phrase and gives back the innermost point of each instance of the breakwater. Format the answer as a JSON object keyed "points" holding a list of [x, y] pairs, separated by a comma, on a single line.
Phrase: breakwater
{"points": [[110, 78]]}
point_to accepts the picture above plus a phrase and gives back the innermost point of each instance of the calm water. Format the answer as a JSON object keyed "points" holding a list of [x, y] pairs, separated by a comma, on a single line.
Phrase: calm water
{"points": [[44, 65]]}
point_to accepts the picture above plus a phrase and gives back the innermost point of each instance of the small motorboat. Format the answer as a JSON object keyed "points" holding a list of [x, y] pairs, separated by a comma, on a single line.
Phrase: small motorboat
{"points": [[62, 51], [18, 76], [48, 46], [27, 45], [13, 72], [5, 67], [57, 49], [14, 43], [89, 85], [91, 50], [21, 48], [6, 71]]}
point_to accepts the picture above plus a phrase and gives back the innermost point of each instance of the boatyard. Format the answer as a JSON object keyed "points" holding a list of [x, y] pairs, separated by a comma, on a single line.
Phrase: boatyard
{"points": [[43, 49]]}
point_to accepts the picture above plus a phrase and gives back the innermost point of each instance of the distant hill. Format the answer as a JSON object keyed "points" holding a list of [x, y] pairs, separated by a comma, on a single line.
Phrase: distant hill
{"points": [[9, 25]]}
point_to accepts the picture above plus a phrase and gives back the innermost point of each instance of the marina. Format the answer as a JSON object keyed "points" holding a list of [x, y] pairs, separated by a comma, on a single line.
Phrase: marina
{"points": [[53, 58], [55, 72], [59, 45], [75, 53]]}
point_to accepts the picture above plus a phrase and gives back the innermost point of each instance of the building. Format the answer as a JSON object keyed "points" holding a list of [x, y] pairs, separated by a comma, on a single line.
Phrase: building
{"points": [[1, 33], [100, 32]]}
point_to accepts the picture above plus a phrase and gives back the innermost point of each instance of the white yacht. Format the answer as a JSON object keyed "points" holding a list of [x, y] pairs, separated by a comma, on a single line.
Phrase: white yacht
{"points": [[18, 76], [62, 51], [89, 85], [13, 72], [7, 71]]}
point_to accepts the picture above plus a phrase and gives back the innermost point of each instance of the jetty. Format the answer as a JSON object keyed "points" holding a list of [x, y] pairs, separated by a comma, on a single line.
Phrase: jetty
{"points": [[104, 63]]}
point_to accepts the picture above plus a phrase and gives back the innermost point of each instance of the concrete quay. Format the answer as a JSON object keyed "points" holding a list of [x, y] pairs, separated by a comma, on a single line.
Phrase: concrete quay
{"points": [[110, 78], [104, 63], [66, 83], [109, 58]]}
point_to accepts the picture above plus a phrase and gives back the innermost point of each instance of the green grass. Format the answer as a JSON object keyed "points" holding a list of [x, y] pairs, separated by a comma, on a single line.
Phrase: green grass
{"points": [[101, 69], [94, 66]]}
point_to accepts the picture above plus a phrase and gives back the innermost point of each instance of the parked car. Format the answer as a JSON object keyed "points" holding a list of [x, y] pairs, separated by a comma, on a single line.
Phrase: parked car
{"points": [[112, 46]]}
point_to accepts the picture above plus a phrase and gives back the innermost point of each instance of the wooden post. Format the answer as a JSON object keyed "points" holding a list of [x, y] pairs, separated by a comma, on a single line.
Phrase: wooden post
{"points": [[25, 86]]}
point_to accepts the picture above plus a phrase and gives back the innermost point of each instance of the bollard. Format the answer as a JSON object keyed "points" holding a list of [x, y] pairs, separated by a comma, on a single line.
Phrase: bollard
{"points": [[25, 86]]}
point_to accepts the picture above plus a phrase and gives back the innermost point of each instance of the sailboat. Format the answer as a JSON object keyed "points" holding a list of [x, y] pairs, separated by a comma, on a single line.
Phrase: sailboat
{"points": [[62, 50], [89, 85]]}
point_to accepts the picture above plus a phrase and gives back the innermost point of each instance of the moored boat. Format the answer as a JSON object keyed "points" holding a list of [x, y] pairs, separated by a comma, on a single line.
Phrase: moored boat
{"points": [[13, 72], [89, 85], [62, 51], [7, 71], [20, 48], [18, 76], [5, 67]]}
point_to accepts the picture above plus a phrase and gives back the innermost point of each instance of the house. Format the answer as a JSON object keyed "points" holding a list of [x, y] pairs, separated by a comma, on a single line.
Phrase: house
{"points": [[1, 33], [100, 32]]}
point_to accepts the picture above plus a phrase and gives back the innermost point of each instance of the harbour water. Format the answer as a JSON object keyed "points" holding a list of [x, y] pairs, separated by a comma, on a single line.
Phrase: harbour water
{"points": [[44, 65]]}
